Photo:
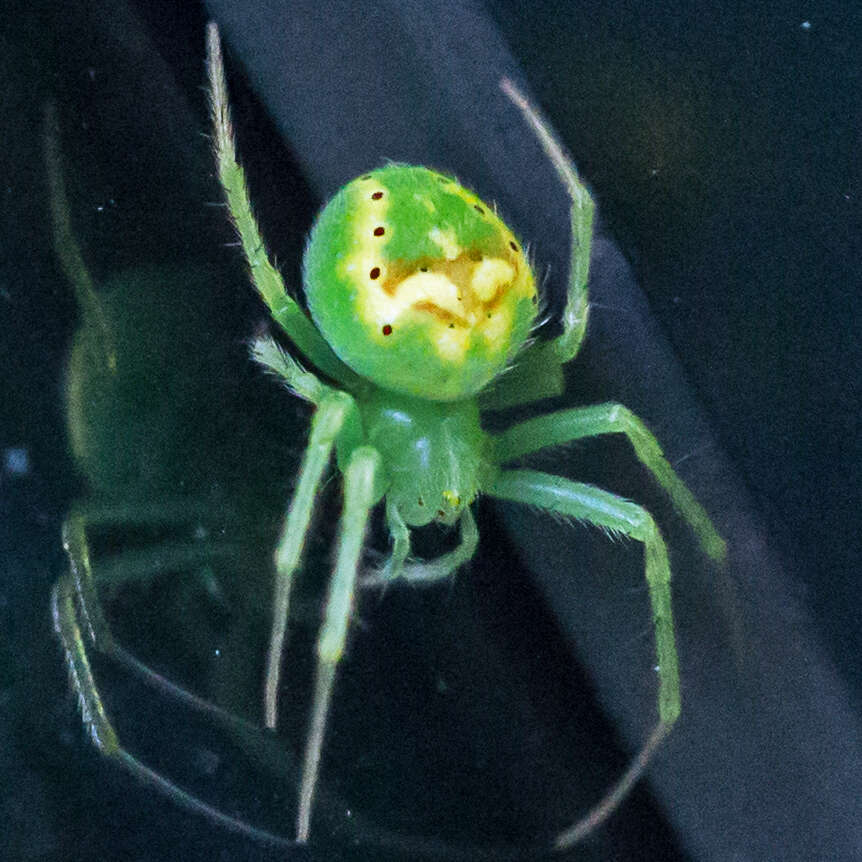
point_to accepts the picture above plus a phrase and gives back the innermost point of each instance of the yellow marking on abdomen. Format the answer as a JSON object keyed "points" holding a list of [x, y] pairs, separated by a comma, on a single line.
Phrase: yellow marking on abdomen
{"points": [[454, 296]]}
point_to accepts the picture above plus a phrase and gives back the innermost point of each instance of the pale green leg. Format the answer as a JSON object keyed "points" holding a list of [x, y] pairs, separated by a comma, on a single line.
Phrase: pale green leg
{"points": [[267, 279], [428, 572], [538, 369], [595, 506], [81, 583], [129, 565], [333, 408], [579, 422], [581, 217], [266, 352], [361, 476]]}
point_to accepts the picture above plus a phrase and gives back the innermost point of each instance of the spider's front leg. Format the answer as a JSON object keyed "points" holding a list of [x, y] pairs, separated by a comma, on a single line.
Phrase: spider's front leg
{"points": [[335, 418], [333, 411], [361, 493]]}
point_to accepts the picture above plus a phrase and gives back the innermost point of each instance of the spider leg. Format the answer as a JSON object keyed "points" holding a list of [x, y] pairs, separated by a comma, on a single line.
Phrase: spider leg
{"points": [[334, 408], [130, 565], [427, 572], [580, 422], [361, 478], [139, 565], [537, 372], [595, 506], [267, 279], [576, 312]]}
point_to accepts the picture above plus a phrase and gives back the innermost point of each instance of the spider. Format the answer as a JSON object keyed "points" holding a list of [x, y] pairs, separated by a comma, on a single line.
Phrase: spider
{"points": [[422, 304]]}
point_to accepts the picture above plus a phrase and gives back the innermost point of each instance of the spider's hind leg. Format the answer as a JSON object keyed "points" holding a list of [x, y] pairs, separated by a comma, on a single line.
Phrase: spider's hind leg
{"points": [[265, 277]]}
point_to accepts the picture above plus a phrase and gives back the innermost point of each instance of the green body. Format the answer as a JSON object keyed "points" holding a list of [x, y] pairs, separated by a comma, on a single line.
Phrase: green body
{"points": [[435, 456], [421, 303]]}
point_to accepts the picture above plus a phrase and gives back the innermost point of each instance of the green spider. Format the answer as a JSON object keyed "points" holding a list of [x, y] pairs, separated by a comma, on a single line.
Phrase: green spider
{"points": [[420, 299], [422, 303]]}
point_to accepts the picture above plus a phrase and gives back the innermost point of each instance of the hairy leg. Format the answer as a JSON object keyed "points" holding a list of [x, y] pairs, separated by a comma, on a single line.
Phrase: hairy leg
{"points": [[267, 279], [580, 422], [576, 311], [538, 369], [360, 478], [595, 506], [329, 418]]}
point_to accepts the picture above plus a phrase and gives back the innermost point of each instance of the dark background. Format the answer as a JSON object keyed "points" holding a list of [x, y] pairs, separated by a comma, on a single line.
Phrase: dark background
{"points": [[722, 146]]}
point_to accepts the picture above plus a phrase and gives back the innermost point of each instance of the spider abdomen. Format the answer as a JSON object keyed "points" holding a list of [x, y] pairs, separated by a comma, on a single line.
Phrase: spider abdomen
{"points": [[417, 284]]}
